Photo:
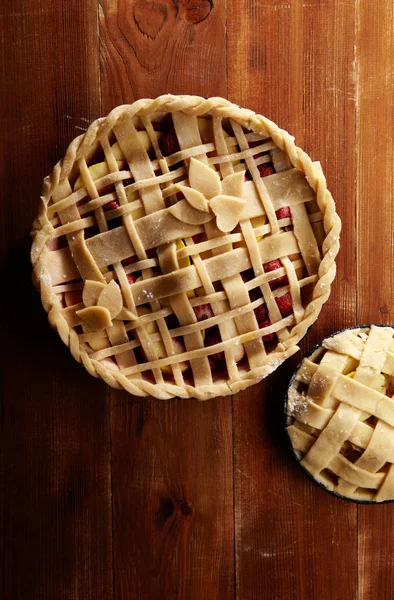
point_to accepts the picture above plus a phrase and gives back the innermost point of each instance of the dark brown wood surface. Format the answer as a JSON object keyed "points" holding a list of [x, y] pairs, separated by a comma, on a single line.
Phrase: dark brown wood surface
{"points": [[106, 496]]}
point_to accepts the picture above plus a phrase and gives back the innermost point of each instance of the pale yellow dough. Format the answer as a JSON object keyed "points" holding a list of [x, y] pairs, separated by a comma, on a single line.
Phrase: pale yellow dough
{"points": [[341, 414], [138, 256]]}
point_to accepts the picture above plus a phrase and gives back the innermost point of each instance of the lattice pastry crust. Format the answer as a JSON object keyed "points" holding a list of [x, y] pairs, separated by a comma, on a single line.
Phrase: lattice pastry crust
{"points": [[183, 247], [341, 413]]}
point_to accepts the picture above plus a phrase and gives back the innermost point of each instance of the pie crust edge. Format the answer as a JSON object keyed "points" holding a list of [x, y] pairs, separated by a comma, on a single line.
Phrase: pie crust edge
{"points": [[349, 406], [197, 106]]}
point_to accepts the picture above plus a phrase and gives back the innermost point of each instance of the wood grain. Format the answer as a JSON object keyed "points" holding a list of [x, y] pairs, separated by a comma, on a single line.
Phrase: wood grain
{"points": [[375, 221], [172, 499], [172, 462], [103, 495], [153, 48], [283, 523], [54, 418]]}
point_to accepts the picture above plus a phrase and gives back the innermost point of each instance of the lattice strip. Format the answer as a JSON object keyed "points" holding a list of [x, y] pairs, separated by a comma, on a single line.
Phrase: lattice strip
{"points": [[116, 204], [342, 413]]}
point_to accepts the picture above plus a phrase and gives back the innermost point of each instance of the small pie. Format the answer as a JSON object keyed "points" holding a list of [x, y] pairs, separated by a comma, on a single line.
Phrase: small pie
{"points": [[340, 409], [183, 247]]}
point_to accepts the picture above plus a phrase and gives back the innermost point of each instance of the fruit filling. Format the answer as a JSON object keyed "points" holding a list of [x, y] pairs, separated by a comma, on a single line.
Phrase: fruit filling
{"points": [[196, 208]]}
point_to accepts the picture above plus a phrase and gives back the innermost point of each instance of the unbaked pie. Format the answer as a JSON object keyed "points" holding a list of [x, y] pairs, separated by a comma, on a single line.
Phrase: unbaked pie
{"points": [[184, 246], [340, 410]]}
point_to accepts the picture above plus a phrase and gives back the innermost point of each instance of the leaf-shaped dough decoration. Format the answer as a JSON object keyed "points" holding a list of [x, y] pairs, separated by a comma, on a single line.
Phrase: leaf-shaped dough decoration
{"points": [[227, 209], [204, 179], [233, 185], [91, 292], [194, 198], [187, 214], [111, 298], [96, 318]]}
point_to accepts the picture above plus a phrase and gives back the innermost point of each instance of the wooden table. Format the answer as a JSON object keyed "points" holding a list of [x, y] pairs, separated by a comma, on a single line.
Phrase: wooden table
{"points": [[107, 496]]}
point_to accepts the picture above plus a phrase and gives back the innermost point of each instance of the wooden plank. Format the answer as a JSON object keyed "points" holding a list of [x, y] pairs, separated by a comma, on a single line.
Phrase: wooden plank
{"points": [[172, 462], [288, 542], [375, 220], [172, 499], [148, 49], [54, 417]]}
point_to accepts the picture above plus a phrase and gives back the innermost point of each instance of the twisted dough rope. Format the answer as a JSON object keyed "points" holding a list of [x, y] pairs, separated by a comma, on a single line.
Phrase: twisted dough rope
{"points": [[196, 106]]}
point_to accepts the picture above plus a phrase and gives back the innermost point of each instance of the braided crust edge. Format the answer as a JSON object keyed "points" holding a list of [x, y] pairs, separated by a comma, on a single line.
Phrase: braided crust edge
{"points": [[195, 105]]}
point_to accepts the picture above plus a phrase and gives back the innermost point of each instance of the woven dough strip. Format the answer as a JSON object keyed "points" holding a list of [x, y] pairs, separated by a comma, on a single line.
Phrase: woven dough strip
{"points": [[341, 414], [47, 227]]}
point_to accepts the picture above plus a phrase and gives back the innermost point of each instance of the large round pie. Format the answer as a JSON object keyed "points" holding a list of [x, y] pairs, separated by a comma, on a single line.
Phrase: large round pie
{"points": [[184, 246], [340, 410]]}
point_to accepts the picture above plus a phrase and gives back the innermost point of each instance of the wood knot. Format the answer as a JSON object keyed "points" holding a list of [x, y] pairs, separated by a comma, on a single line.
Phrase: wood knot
{"points": [[383, 309], [150, 18], [164, 512], [184, 509], [195, 11]]}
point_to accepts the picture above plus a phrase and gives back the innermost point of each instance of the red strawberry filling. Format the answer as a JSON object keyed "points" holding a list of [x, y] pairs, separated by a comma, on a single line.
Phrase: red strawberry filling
{"points": [[285, 304], [264, 170], [129, 261], [270, 337], [247, 275], [262, 317], [169, 143], [198, 238], [203, 312], [212, 337], [114, 204], [283, 213], [253, 145], [130, 278], [261, 313], [151, 253], [273, 265], [255, 294]]}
